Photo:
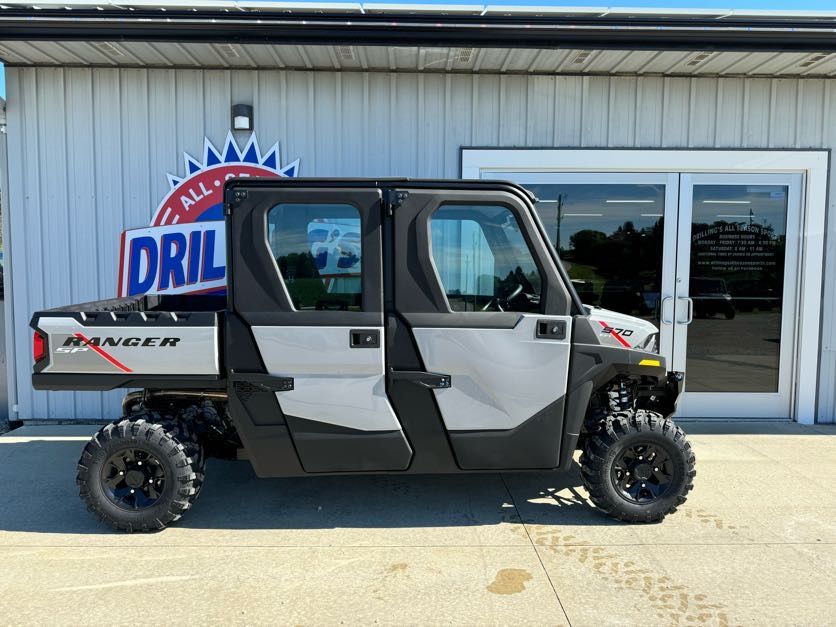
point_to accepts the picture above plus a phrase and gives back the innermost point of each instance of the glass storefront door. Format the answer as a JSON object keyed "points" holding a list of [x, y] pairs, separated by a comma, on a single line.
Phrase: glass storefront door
{"points": [[736, 286], [711, 259]]}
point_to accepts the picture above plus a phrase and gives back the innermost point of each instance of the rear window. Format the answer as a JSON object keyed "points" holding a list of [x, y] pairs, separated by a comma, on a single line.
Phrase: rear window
{"points": [[318, 250]]}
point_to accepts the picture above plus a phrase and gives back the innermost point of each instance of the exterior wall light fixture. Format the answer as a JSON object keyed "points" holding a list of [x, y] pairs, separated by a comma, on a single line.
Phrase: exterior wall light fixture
{"points": [[242, 117]]}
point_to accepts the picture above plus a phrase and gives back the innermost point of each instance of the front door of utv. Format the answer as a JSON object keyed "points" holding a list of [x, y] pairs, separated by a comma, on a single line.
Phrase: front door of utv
{"points": [[487, 309], [307, 282]]}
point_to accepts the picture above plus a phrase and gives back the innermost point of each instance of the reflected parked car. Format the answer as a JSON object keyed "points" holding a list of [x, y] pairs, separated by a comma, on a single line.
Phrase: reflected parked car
{"points": [[753, 294], [711, 297], [651, 299], [624, 296]]}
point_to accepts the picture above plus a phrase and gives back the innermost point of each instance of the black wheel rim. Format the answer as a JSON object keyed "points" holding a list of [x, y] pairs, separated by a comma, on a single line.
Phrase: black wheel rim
{"points": [[133, 478], [643, 473]]}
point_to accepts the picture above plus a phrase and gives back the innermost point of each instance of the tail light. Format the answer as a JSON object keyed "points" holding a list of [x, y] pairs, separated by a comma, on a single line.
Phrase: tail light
{"points": [[39, 347]]}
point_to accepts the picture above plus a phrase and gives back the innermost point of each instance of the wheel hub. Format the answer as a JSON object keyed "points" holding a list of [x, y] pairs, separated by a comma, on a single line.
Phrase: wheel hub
{"points": [[643, 473], [133, 478]]}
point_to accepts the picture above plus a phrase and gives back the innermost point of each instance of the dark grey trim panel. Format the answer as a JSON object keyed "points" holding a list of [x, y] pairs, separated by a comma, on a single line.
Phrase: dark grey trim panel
{"points": [[534, 444], [104, 382], [421, 421], [463, 320], [347, 319], [576, 406], [600, 364], [255, 413], [325, 447], [137, 311], [584, 333]]}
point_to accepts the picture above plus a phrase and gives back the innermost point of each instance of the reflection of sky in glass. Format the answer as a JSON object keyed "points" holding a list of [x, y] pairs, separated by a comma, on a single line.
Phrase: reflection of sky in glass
{"points": [[569, 208], [466, 261], [287, 224], [764, 205], [462, 256]]}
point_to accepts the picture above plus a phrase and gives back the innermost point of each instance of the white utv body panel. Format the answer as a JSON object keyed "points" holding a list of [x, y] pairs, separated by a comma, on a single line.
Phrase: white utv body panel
{"points": [[499, 377], [621, 330], [333, 382], [126, 349]]}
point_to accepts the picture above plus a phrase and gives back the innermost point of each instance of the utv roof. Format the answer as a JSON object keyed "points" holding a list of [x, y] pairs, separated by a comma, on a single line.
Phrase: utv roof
{"points": [[383, 183]]}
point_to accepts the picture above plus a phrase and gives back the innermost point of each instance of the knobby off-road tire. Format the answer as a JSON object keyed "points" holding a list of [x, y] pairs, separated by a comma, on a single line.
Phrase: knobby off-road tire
{"points": [[181, 430], [135, 476], [639, 467]]}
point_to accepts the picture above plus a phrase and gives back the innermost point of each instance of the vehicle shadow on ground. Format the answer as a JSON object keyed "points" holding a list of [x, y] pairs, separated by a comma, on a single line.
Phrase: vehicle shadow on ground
{"points": [[39, 495]]}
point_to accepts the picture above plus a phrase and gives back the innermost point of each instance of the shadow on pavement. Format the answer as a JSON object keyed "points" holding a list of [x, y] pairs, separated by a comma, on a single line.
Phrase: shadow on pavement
{"points": [[38, 495]]}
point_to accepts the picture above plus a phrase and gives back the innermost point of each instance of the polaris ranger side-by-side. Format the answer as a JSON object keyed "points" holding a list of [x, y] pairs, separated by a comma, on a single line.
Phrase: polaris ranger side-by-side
{"points": [[370, 326]]}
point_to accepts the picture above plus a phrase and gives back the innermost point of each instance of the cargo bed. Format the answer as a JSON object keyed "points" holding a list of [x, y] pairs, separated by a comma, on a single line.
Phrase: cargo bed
{"points": [[138, 341]]}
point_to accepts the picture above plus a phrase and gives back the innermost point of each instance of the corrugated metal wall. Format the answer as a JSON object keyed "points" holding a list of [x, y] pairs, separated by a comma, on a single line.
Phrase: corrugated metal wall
{"points": [[89, 150]]}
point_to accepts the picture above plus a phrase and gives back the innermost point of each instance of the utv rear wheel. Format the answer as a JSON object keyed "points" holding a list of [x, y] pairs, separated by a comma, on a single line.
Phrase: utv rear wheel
{"points": [[136, 476], [638, 467], [181, 431]]}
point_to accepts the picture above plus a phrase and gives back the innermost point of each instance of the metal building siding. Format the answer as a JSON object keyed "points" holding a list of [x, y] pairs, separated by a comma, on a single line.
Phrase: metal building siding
{"points": [[89, 150]]}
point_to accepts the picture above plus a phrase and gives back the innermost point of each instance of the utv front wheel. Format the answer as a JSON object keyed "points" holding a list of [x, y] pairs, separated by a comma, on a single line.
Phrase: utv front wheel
{"points": [[136, 476], [638, 467]]}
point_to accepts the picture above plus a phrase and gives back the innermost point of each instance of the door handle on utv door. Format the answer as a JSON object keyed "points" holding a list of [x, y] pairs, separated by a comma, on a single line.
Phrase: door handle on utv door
{"points": [[431, 380], [551, 329], [364, 338]]}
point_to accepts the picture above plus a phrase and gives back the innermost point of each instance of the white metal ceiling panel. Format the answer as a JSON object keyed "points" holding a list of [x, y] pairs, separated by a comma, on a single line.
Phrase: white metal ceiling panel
{"points": [[419, 59]]}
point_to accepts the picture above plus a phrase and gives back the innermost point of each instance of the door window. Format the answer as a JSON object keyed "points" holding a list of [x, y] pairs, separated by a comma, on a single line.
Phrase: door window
{"points": [[483, 260], [318, 250]]}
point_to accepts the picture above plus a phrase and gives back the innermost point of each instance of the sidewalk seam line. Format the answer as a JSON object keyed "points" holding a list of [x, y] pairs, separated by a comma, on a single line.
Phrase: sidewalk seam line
{"points": [[534, 546]]}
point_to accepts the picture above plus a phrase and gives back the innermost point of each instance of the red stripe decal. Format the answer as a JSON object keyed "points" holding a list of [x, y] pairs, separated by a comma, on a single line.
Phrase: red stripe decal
{"points": [[617, 336], [99, 350]]}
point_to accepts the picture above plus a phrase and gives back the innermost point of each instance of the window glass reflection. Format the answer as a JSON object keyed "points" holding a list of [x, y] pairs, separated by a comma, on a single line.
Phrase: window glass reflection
{"points": [[483, 260], [609, 237], [738, 242], [318, 249]]}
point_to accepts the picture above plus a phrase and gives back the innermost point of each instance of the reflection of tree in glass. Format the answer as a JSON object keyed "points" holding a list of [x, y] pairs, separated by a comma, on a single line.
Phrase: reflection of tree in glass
{"points": [[620, 270], [302, 279], [516, 277]]}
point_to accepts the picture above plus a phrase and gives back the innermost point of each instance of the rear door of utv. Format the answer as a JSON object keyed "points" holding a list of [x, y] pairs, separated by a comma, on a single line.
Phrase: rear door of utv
{"points": [[304, 334], [476, 303]]}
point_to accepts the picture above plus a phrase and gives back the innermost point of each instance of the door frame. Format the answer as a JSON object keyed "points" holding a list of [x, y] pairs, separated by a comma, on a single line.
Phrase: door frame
{"points": [[812, 164]]}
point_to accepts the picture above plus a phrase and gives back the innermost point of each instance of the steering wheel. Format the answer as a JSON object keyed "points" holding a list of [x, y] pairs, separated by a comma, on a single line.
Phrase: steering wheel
{"points": [[517, 291]]}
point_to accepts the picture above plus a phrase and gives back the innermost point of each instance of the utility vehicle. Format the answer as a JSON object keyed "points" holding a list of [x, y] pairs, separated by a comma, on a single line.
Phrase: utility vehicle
{"points": [[371, 326]]}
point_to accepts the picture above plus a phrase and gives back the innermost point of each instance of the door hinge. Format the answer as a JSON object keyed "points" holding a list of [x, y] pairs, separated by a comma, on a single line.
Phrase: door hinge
{"points": [[233, 198], [394, 198]]}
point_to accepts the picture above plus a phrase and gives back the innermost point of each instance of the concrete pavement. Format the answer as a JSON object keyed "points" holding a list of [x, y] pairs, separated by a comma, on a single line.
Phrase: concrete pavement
{"points": [[756, 543]]}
